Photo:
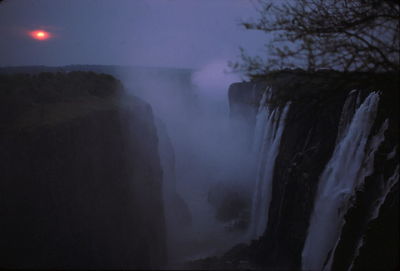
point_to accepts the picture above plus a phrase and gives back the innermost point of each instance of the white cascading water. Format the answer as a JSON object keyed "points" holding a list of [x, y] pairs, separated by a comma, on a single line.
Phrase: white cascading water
{"points": [[267, 136], [342, 176]]}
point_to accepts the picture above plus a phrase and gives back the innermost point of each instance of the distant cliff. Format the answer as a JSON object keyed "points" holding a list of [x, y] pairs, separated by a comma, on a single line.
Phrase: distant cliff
{"points": [[80, 175]]}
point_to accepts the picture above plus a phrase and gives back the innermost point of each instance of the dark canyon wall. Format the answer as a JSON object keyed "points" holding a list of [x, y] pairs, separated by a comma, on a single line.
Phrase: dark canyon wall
{"points": [[307, 144], [80, 175]]}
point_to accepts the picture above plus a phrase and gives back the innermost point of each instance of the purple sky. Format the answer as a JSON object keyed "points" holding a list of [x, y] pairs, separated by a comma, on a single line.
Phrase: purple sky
{"points": [[171, 33]]}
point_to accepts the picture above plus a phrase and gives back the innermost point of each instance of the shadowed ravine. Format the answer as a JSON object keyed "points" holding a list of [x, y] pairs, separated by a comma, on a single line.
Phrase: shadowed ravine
{"points": [[297, 171]]}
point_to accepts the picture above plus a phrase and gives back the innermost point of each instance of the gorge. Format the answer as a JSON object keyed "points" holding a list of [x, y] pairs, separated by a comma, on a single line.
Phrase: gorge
{"points": [[199, 135], [294, 171]]}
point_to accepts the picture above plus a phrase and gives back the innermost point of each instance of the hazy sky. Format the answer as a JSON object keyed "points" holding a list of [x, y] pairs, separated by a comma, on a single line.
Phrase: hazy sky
{"points": [[173, 33]]}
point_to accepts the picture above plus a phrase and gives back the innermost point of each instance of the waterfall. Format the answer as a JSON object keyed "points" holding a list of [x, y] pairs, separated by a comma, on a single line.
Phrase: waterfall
{"points": [[268, 131], [342, 176]]}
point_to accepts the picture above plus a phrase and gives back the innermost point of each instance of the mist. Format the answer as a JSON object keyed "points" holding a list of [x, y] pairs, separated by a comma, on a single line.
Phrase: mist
{"points": [[209, 152]]}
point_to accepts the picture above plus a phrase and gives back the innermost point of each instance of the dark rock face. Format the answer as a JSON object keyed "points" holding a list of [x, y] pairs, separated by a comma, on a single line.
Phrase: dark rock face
{"points": [[177, 213], [80, 182], [306, 146], [379, 238], [381, 243], [177, 209], [232, 206]]}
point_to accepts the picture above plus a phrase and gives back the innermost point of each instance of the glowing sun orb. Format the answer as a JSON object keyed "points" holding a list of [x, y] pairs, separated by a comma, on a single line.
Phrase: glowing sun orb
{"points": [[40, 34]]}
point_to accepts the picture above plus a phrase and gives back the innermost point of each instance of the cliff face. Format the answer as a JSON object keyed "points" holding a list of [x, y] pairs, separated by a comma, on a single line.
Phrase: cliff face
{"points": [[373, 243], [306, 145], [310, 135], [80, 175], [178, 217]]}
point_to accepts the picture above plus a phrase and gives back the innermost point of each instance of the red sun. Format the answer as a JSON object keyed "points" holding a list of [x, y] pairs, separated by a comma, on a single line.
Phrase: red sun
{"points": [[40, 34]]}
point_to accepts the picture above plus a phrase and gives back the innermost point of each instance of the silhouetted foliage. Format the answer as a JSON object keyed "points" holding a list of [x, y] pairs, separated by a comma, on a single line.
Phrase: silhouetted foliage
{"points": [[346, 35]]}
